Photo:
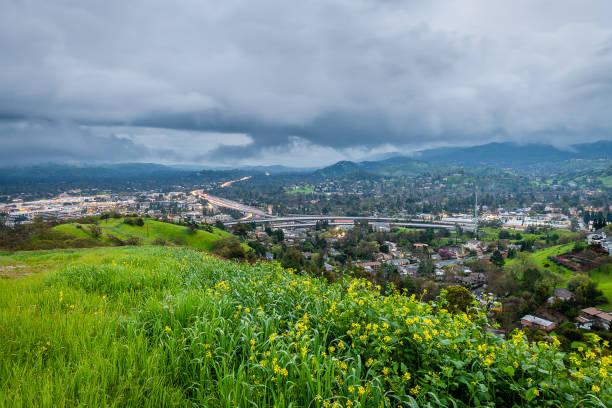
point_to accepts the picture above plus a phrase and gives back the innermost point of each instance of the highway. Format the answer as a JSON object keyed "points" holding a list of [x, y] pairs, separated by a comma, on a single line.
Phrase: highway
{"points": [[258, 216], [398, 224], [222, 202]]}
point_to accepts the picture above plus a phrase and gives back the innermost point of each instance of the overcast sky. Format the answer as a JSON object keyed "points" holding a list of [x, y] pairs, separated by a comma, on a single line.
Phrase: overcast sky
{"points": [[300, 83]]}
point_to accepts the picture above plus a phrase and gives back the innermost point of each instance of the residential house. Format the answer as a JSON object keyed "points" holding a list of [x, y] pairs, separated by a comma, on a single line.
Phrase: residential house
{"points": [[475, 245], [370, 266], [561, 294], [473, 280], [591, 317], [537, 323]]}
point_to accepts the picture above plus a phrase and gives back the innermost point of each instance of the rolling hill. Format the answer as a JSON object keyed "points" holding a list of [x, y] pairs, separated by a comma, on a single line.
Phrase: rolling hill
{"points": [[151, 232], [161, 326]]}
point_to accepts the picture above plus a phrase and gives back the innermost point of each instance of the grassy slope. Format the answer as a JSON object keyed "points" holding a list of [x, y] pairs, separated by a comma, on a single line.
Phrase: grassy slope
{"points": [[603, 276], [493, 234], [301, 190], [539, 259], [160, 326], [606, 181], [149, 232]]}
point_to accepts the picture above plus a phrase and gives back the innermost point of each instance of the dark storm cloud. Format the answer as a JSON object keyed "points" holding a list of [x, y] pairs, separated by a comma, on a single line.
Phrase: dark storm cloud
{"points": [[27, 142], [338, 74]]}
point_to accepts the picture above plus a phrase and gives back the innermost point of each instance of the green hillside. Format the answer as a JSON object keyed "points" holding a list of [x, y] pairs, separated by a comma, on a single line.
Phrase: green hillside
{"points": [[166, 326], [603, 277], [147, 234]]}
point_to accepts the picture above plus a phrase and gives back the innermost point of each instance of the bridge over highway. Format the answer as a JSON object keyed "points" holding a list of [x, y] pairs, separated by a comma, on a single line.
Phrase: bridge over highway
{"points": [[300, 221], [406, 225]]}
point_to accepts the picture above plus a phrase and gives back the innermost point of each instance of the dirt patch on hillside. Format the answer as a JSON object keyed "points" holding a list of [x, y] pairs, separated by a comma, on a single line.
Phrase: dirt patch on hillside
{"points": [[14, 271]]}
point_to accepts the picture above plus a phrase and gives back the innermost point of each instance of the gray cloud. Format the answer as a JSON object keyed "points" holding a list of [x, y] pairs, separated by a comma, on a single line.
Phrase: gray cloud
{"points": [[337, 75], [28, 142]]}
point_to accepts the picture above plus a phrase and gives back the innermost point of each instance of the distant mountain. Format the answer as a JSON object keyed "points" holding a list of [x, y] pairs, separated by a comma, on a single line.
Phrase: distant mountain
{"points": [[395, 166], [273, 169], [84, 172], [278, 169], [534, 158], [102, 175], [510, 155]]}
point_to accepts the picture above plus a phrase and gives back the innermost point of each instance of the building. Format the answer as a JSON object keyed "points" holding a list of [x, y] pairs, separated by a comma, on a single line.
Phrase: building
{"points": [[381, 227], [561, 294], [537, 323], [591, 317], [370, 266]]}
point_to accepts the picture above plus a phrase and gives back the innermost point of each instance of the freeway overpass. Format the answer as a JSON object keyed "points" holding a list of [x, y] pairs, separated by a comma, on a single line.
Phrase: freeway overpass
{"points": [[297, 221], [398, 224], [300, 221], [222, 202]]}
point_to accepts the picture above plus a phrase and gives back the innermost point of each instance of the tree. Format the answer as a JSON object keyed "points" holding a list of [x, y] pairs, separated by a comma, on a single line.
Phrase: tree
{"points": [[292, 258], [574, 225], [542, 291], [258, 247], [219, 224], [426, 268], [503, 234], [229, 248], [586, 291], [497, 258], [527, 245], [458, 298], [95, 231], [530, 277], [242, 230], [278, 235], [511, 253]]}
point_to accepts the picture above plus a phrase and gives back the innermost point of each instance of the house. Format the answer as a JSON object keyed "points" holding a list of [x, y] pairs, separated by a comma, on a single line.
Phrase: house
{"points": [[457, 251], [593, 317], [596, 238], [475, 245], [561, 294], [369, 266], [381, 256], [381, 227], [537, 323], [409, 270], [399, 262], [473, 280]]}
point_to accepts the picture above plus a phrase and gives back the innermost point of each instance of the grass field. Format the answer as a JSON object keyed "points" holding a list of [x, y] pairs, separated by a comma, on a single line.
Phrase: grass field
{"points": [[603, 276], [301, 190], [166, 326], [539, 259], [148, 233], [606, 181], [492, 234]]}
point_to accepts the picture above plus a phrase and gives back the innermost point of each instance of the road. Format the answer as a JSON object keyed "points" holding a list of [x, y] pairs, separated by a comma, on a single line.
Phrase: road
{"points": [[222, 202], [296, 221]]}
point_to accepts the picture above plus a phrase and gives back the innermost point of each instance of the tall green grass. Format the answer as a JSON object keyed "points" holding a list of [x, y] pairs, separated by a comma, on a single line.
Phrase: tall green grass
{"points": [[155, 326], [147, 234]]}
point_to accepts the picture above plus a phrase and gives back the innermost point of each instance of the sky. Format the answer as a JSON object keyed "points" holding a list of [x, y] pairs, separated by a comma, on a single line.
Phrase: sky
{"points": [[302, 84]]}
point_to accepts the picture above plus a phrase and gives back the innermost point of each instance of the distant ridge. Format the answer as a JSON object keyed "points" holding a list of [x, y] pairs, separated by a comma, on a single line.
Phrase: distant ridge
{"points": [[395, 166], [529, 158], [513, 155]]}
